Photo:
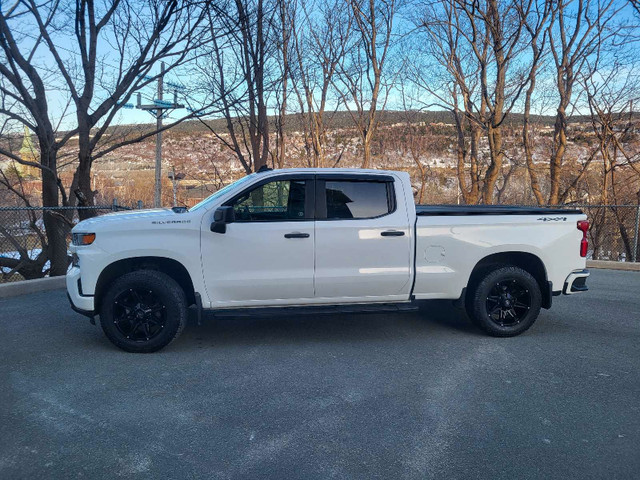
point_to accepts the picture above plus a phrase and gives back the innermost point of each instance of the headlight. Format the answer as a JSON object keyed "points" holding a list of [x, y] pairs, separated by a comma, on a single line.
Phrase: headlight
{"points": [[83, 238]]}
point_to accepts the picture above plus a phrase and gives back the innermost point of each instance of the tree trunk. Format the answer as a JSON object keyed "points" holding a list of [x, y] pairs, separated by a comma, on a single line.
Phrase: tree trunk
{"points": [[81, 193], [285, 78], [526, 139], [317, 129], [474, 194], [557, 155], [27, 269], [423, 176], [366, 150], [56, 227], [494, 136], [461, 155], [84, 195], [281, 135]]}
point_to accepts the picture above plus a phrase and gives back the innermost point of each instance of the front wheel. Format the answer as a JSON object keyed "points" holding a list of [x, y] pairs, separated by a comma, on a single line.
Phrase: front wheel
{"points": [[505, 302], [143, 311]]}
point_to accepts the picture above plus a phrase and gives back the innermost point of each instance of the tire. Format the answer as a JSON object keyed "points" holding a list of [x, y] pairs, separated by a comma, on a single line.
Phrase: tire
{"points": [[143, 311], [505, 301]]}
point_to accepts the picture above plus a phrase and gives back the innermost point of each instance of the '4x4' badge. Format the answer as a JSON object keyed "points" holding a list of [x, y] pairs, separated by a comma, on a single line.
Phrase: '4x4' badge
{"points": [[553, 219]]}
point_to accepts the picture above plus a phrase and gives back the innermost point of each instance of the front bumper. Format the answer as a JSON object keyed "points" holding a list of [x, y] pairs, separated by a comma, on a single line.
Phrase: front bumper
{"points": [[83, 304], [576, 282]]}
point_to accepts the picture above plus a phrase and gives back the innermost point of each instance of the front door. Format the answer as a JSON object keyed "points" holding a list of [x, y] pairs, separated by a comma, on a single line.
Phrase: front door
{"points": [[266, 257], [363, 241]]}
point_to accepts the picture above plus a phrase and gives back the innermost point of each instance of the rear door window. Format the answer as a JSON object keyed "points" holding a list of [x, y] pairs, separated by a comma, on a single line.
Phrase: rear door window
{"points": [[357, 199]]}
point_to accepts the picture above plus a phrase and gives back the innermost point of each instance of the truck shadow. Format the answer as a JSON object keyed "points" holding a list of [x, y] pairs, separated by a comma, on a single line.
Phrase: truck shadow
{"points": [[446, 315], [434, 318]]}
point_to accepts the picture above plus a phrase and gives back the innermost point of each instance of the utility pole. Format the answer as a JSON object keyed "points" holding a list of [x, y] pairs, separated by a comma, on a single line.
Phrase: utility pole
{"points": [[635, 257], [157, 190], [157, 109]]}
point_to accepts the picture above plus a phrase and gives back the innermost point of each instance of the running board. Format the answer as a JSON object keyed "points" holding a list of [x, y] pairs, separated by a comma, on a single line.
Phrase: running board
{"points": [[317, 310]]}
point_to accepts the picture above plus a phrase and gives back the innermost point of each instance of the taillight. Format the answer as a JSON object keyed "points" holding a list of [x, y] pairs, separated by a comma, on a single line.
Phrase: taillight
{"points": [[583, 226]]}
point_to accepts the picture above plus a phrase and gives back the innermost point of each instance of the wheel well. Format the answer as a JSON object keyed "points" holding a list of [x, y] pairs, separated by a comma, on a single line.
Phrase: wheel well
{"points": [[526, 261], [168, 266]]}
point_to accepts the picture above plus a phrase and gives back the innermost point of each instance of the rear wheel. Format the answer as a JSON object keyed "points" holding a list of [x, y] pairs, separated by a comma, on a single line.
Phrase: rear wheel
{"points": [[505, 302], [143, 311]]}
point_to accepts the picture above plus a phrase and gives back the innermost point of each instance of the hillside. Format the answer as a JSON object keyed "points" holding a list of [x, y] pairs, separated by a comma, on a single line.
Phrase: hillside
{"points": [[342, 119]]}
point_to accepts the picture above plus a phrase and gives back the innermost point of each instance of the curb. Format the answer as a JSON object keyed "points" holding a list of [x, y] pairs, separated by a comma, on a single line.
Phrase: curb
{"points": [[627, 266], [25, 287]]}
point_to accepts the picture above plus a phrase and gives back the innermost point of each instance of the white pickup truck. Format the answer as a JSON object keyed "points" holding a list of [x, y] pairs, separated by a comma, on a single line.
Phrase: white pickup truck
{"points": [[321, 238]]}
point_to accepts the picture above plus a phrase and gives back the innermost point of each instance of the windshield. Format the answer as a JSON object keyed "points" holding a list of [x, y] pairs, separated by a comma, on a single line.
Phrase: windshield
{"points": [[221, 192]]}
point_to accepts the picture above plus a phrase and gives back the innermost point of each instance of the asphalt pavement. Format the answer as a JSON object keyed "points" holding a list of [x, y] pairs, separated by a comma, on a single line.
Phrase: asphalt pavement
{"points": [[416, 395]]}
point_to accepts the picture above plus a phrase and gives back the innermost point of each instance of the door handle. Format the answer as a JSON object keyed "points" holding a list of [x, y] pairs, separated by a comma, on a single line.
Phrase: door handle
{"points": [[392, 233], [296, 235]]}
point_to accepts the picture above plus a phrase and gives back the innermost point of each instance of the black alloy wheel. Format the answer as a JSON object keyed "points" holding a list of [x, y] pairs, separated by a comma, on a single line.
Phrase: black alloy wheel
{"points": [[143, 311], [508, 302], [504, 301], [138, 314]]}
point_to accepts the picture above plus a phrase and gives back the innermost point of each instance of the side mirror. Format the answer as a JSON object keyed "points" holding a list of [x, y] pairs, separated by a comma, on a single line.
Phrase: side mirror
{"points": [[221, 217]]}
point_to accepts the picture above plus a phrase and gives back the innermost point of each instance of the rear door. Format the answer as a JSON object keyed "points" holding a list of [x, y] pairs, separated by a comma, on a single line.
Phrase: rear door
{"points": [[363, 241], [266, 257]]}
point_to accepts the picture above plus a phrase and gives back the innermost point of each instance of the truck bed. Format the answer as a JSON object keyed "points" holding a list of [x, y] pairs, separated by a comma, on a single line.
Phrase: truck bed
{"points": [[457, 210]]}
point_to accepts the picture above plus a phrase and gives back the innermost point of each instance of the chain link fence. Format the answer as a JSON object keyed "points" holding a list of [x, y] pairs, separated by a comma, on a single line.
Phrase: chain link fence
{"points": [[613, 231], [22, 236], [613, 235]]}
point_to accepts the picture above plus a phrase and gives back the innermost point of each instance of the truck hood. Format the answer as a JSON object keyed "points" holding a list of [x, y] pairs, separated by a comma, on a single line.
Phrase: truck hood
{"points": [[126, 219]]}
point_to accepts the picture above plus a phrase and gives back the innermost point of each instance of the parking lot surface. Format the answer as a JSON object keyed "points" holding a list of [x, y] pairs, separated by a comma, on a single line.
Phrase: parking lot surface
{"points": [[405, 395]]}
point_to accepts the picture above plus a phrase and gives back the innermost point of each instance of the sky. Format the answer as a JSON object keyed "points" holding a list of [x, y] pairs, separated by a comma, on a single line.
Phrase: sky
{"points": [[63, 112]]}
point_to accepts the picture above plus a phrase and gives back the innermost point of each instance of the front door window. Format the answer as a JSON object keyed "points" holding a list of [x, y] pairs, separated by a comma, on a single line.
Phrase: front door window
{"points": [[280, 200]]}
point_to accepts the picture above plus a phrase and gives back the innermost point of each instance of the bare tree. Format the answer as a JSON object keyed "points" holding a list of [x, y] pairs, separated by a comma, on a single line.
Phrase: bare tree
{"points": [[441, 81], [578, 31], [416, 145], [24, 101], [364, 83], [133, 36], [236, 70], [282, 33], [611, 97], [473, 48], [495, 40], [534, 18], [321, 35]]}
